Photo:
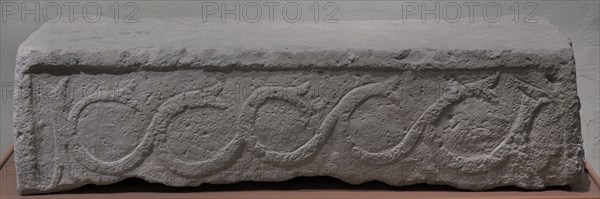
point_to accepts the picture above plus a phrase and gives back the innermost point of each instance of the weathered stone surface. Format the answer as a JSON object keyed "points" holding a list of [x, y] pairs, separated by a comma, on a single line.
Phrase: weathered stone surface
{"points": [[181, 102]]}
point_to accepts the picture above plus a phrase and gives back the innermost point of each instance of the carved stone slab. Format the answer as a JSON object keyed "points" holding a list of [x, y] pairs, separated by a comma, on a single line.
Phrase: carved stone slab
{"points": [[182, 102]]}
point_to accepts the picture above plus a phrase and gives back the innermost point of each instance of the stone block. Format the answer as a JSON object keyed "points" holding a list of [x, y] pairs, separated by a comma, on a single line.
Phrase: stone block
{"points": [[184, 102]]}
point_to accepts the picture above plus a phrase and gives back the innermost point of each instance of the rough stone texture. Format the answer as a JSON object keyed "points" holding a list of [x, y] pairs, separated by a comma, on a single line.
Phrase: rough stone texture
{"points": [[182, 102]]}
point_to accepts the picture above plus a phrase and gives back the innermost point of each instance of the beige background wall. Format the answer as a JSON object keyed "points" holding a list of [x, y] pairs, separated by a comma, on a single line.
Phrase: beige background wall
{"points": [[580, 21]]}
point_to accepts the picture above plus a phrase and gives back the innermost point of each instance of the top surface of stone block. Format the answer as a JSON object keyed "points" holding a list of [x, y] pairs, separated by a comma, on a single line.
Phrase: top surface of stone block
{"points": [[169, 42], [375, 35]]}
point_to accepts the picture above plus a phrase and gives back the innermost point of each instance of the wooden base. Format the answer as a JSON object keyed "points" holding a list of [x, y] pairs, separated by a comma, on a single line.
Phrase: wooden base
{"points": [[309, 187]]}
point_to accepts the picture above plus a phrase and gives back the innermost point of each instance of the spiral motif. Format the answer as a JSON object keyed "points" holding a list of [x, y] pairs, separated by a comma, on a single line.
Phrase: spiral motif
{"points": [[129, 161], [178, 104], [421, 131]]}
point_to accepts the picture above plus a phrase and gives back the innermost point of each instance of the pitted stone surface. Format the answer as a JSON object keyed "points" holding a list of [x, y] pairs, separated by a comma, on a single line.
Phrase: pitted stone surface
{"points": [[182, 102]]}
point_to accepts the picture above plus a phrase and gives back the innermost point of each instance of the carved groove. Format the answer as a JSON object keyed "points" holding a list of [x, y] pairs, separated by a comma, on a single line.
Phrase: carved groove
{"points": [[82, 156], [156, 135], [178, 104]]}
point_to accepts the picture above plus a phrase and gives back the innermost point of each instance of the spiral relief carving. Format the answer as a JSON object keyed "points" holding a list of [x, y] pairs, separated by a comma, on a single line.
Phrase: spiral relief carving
{"points": [[483, 160], [288, 94], [77, 151], [359, 95], [425, 130], [178, 104]]}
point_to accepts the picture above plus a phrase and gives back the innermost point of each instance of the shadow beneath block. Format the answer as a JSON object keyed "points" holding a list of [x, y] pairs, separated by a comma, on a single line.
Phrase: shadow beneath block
{"points": [[133, 185]]}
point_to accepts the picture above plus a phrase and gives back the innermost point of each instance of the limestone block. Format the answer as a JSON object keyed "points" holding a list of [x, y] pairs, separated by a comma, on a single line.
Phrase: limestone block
{"points": [[184, 102]]}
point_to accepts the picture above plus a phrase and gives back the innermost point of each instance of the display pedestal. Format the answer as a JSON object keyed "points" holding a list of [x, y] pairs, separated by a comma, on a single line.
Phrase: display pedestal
{"points": [[298, 188]]}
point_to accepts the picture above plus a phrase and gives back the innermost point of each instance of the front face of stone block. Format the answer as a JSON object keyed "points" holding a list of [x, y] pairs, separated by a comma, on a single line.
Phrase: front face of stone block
{"points": [[242, 106], [187, 127]]}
